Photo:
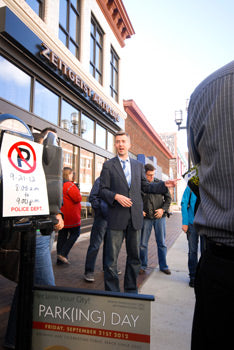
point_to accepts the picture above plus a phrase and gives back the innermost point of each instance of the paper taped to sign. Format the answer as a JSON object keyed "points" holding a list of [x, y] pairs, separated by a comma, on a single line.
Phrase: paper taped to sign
{"points": [[24, 182]]}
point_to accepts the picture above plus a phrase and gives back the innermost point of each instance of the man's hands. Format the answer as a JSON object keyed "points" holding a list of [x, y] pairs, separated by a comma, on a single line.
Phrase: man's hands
{"points": [[185, 228], [124, 201], [158, 213], [171, 183]]}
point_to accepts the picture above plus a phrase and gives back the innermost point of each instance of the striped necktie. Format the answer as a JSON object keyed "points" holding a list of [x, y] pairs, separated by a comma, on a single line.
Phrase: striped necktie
{"points": [[126, 172]]}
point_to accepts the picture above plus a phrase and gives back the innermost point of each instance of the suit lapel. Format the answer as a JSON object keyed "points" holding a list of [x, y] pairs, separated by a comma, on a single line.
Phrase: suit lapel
{"points": [[133, 172], [119, 169]]}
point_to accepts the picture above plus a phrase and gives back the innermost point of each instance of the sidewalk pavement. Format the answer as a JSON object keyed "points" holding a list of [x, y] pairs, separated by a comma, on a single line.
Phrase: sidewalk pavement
{"points": [[172, 310]]}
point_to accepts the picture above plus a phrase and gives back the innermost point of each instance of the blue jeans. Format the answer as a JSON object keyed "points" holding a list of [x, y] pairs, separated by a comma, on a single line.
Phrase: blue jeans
{"points": [[159, 226], [114, 240], [43, 275], [97, 236], [193, 240], [66, 240]]}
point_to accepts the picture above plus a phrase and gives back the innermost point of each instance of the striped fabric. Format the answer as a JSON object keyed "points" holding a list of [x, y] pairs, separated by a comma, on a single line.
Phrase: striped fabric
{"points": [[211, 143]]}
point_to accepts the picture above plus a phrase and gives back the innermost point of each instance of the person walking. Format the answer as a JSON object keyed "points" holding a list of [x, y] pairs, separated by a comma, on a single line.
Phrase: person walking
{"points": [[71, 210], [210, 126], [188, 210], [98, 231], [155, 208], [121, 182]]}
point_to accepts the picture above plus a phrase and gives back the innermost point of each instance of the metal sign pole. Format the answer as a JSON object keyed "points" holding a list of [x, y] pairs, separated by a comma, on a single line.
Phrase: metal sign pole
{"points": [[25, 286]]}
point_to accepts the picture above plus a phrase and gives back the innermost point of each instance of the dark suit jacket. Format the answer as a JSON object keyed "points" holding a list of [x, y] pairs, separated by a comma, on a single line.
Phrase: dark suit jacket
{"points": [[112, 181]]}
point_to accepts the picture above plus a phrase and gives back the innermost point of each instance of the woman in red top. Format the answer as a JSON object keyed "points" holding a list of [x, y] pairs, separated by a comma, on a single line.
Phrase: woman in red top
{"points": [[71, 210]]}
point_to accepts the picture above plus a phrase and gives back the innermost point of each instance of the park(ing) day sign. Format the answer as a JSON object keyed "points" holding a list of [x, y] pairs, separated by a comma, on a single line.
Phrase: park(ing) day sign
{"points": [[24, 182]]}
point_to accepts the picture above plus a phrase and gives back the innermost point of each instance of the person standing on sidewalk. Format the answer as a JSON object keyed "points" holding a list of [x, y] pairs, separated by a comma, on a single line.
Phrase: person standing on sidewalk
{"points": [[188, 209], [98, 231], [71, 210], [121, 182], [155, 207], [210, 126]]}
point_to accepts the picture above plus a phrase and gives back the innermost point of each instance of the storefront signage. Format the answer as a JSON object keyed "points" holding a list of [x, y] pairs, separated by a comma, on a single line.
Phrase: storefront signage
{"points": [[79, 320], [76, 80], [24, 183]]}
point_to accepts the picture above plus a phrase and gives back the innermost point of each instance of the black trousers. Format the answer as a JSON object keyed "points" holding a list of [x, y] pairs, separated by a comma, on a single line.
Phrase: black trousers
{"points": [[213, 323]]}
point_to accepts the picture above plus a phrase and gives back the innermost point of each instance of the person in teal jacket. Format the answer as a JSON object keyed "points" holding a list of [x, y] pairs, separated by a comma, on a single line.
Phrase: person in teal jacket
{"points": [[188, 209]]}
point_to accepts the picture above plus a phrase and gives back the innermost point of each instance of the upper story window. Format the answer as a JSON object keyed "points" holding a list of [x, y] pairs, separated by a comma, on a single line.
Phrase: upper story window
{"points": [[69, 25], [114, 78], [37, 6], [96, 50]]}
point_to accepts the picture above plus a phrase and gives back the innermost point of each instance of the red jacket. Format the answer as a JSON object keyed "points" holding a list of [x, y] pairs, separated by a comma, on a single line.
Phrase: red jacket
{"points": [[71, 207]]}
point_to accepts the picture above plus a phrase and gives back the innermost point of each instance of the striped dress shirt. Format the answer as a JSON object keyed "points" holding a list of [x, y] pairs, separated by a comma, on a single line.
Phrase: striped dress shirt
{"points": [[210, 127]]}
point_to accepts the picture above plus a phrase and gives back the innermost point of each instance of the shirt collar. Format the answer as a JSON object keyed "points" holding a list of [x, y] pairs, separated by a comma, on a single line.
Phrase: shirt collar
{"points": [[126, 160]]}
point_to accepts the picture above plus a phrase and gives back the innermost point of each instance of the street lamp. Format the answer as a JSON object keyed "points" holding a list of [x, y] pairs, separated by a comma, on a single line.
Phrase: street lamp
{"points": [[75, 121], [65, 124], [179, 119]]}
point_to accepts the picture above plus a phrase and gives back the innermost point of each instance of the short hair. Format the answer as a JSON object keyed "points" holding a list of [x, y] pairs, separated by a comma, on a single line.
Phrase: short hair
{"points": [[38, 138], [149, 167], [46, 130], [66, 172], [121, 133]]}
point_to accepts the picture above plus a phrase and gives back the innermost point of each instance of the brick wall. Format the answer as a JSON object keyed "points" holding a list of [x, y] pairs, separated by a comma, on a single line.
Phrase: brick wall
{"points": [[142, 144]]}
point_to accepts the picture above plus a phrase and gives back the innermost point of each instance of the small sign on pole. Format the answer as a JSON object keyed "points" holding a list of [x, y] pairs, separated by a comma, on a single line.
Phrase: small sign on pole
{"points": [[24, 182]]}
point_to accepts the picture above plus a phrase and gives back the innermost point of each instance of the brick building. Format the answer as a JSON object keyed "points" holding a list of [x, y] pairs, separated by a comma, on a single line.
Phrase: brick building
{"points": [[145, 141]]}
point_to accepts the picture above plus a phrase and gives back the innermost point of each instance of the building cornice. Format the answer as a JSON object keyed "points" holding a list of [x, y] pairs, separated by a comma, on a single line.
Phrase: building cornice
{"points": [[136, 114], [117, 17]]}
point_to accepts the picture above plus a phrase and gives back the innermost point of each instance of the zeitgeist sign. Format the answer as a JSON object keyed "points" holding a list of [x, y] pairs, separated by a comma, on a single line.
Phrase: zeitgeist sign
{"points": [[71, 321], [76, 80]]}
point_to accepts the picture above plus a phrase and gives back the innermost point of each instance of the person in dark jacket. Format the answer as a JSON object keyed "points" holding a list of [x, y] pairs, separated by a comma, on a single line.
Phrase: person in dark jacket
{"points": [[155, 208], [98, 231]]}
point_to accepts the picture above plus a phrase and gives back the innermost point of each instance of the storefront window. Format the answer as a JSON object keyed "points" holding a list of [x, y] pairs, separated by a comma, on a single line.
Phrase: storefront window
{"points": [[69, 118], [46, 103], [100, 136], [98, 165], [110, 142], [86, 176], [67, 154], [14, 84], [87, 128], [70, 158]]}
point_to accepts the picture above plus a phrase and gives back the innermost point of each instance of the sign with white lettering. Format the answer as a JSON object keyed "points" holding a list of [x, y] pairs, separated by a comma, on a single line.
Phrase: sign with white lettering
{"points": [[24, 183], [70, 320]]}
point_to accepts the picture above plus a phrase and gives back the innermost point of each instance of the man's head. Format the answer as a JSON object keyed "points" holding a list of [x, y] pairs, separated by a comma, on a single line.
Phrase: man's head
{"points": [[122, 144], [45, 131], [149, 172], [38, 138]]}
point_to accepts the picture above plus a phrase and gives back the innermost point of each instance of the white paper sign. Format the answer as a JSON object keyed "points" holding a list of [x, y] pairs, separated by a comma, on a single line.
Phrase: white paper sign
{"points": [[24, 182]]}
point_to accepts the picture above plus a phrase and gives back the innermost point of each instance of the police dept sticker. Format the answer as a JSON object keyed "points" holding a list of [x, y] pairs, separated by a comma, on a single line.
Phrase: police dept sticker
{"points": [[24, 182]]}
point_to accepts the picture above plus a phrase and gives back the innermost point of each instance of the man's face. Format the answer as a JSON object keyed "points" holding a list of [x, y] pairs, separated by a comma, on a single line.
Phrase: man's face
{"points": [[150, 175], [122, 145]]}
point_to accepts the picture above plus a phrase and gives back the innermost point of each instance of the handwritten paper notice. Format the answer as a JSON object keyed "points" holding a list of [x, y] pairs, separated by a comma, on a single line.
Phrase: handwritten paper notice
{"points": [[24, 182]]}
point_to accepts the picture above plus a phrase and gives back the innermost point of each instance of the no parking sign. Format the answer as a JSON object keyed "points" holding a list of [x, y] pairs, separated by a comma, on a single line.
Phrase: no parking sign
{"points": [[24, 182]]}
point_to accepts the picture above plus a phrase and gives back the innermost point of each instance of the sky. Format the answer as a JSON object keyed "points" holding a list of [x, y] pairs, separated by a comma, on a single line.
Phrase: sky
{"points": [[177, 44]]}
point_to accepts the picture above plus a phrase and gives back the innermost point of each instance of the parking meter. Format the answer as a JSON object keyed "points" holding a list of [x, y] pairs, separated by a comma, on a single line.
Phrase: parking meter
{"points": [[27, 170]]}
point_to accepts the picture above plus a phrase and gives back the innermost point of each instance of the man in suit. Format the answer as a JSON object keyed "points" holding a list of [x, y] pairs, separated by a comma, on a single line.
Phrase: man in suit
{"points": [[121, 182]]}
